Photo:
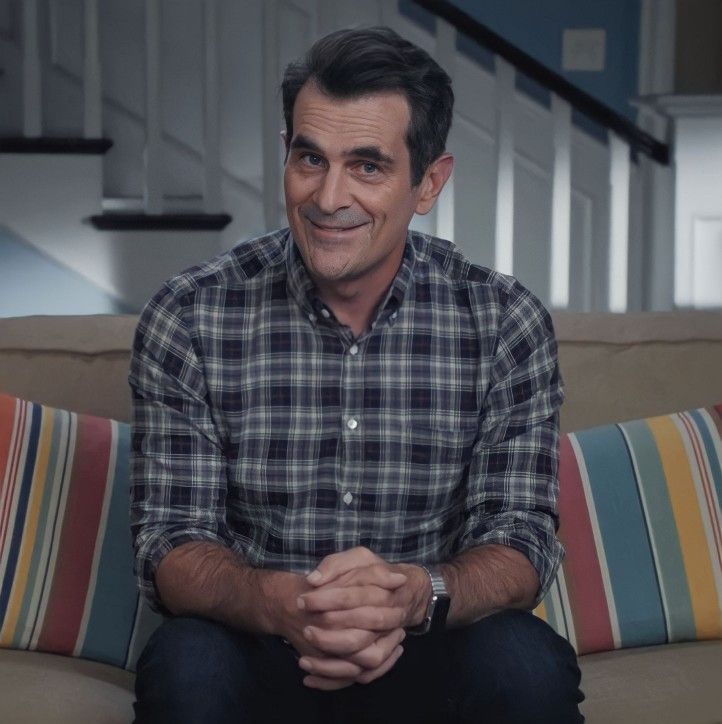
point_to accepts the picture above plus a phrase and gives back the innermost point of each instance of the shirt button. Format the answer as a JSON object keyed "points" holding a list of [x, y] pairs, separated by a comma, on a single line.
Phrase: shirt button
{"points": [[325, 313], [351, 423], [394, 315], [353, 349], [312, 318], [347, 498]]}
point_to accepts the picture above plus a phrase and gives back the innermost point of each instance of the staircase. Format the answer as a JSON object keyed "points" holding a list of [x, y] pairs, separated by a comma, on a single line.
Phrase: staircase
{"points": [[143, 137]]}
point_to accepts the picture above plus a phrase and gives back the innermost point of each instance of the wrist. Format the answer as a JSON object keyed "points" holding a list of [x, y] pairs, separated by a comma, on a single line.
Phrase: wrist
{"points": [[420, 586], [279, 591]]}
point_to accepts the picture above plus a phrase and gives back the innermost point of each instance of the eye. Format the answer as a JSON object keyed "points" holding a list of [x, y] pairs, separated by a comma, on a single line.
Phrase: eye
{"points": [[312, 159], [369, 168]]}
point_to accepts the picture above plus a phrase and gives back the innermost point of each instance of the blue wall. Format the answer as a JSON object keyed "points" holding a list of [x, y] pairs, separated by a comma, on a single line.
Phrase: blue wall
{"points": [[32, 283], [536, 27]]}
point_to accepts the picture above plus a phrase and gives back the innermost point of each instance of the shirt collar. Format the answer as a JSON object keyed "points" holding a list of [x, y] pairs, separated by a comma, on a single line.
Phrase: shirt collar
{"points": [[300, 286], [303, 290]]}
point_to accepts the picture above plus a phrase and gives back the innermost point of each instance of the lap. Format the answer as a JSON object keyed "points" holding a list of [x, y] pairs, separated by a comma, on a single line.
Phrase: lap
{"points": [[478, 673], [193, 670]]}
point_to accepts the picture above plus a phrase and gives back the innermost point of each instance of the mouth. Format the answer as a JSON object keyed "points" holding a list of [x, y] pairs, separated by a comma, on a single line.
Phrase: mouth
{"points": [[335, 231]]}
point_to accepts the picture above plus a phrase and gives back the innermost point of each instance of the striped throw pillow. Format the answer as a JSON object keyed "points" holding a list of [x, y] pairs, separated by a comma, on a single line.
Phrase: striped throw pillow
{"points": [[640, 519], [66, 562]]}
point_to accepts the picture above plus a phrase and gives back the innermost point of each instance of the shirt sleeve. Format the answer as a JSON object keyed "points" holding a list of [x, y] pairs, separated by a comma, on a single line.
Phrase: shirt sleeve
{"points": [[178, 472], [513, 483]]}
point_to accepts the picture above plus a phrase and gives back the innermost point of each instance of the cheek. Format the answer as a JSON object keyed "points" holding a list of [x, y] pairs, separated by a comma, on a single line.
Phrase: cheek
{"points": [[294, 185]]}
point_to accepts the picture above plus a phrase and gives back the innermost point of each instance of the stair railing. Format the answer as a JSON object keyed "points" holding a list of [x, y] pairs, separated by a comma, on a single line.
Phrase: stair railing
{"points": [[153, 192], [624, 137]]}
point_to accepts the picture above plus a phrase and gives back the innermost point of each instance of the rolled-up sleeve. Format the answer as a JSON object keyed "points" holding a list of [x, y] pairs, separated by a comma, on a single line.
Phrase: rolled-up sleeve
{"points": [[178, 472], [513, 483]]}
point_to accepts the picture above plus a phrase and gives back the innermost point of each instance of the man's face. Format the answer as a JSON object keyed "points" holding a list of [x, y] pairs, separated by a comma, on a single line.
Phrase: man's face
{"points": [[348, 186]]}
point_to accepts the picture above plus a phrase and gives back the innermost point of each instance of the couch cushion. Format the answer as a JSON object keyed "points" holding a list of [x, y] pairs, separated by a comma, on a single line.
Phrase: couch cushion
{"points": [[53, 689], [66, 564], [654, 685], [640, 520]]}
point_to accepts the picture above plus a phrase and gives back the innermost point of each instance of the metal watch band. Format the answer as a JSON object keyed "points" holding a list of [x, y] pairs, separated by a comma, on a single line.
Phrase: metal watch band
{"points": [[438, 607]]}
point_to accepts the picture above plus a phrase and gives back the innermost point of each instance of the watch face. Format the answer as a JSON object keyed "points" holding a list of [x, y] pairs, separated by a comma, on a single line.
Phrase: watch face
{"points": [[441, 611]]}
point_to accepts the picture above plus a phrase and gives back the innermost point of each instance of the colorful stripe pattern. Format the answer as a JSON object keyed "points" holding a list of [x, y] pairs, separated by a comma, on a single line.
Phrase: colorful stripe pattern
{"points": [[66, 562], [640, 519], [639, 507]]}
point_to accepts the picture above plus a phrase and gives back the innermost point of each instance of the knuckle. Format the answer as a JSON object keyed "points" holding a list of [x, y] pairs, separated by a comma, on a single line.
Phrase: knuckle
{"points": [[376, 658], [370, 659], [365, 554]]}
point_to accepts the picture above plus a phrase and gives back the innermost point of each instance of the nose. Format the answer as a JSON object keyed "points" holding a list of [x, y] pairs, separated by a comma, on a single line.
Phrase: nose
{"points": [[332, 193]]}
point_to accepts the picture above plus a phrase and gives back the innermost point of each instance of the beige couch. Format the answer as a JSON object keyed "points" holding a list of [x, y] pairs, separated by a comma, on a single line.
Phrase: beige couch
{"points": [[615, 368]]}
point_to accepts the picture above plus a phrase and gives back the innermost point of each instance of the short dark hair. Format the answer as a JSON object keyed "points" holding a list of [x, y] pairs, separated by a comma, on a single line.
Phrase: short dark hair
{"points": [[351, 63]]}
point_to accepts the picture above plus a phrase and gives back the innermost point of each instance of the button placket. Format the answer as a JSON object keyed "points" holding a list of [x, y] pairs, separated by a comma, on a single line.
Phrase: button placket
{"points": [[353, 436]]}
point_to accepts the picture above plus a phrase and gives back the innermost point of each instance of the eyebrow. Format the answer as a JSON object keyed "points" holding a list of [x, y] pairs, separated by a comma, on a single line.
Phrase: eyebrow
{"points": [[372, 153]]}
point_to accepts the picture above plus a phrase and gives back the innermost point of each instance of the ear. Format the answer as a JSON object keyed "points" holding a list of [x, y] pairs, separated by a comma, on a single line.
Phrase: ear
{"points": [[437, 174], [286, 144]]}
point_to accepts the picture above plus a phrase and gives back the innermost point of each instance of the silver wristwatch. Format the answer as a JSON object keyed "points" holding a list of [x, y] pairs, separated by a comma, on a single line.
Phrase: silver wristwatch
{"points": [[438, 608]]}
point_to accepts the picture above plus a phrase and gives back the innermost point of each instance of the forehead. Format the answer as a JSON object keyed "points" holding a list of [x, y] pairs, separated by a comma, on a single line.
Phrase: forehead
{"points": [[379, 119]]}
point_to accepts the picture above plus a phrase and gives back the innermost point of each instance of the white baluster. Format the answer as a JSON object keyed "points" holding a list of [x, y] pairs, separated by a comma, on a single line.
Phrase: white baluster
{"points": [[446, 57], [561, 203], [618, 223], [153, 191], [504, 234], [91, 74], [32, 88], [271, 118], [212, 199]]}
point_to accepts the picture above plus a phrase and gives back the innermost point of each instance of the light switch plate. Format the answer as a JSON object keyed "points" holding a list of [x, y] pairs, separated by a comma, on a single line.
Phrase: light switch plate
{"points": [[583, 49]]}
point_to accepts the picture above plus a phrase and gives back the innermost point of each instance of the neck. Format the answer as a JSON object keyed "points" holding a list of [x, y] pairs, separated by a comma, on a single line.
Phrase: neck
{"points": [[352, 304]]}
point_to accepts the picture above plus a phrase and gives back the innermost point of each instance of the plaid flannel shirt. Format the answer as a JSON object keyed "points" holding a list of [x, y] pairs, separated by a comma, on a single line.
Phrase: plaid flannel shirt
{"points": [[261, 424]]}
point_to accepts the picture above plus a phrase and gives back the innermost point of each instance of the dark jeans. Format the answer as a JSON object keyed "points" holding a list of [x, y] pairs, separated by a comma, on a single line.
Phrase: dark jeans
{"points": [[509, 667]]}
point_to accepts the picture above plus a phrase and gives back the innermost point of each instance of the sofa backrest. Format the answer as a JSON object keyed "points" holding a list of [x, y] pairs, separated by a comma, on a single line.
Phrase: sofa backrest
{"points": [[616, 367], [628, 366], [77, 363]]}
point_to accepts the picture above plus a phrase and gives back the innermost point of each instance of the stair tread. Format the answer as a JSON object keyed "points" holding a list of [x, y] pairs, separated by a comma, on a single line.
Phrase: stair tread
{"points": [[132, 221], [54, 144]]}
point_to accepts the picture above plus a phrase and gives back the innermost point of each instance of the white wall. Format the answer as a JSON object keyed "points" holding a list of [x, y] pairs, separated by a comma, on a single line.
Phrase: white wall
{"points": [[132, 266]]}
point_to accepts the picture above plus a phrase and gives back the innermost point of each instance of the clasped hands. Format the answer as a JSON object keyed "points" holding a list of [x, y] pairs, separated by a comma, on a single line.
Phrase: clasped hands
{"points": [[350, 617]]}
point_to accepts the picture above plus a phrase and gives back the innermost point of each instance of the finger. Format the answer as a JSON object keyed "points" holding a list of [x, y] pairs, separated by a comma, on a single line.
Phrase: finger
{"points": [[371, 618], [379, 574], [339, 642], [341, 599], [319, 682], [373, 656], [329, 668], [337, 564], [368, 676]]}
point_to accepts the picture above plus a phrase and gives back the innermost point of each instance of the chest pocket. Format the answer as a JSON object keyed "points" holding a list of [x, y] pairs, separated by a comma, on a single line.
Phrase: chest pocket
{"points": [[436, 460], [427, 445]]}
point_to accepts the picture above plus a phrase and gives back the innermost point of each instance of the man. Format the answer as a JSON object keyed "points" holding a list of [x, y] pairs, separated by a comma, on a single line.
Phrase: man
{"points": [[345, 433]]}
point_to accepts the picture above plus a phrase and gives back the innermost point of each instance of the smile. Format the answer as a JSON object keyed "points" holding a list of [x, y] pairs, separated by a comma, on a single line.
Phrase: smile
{"points": [[335, 230]]}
